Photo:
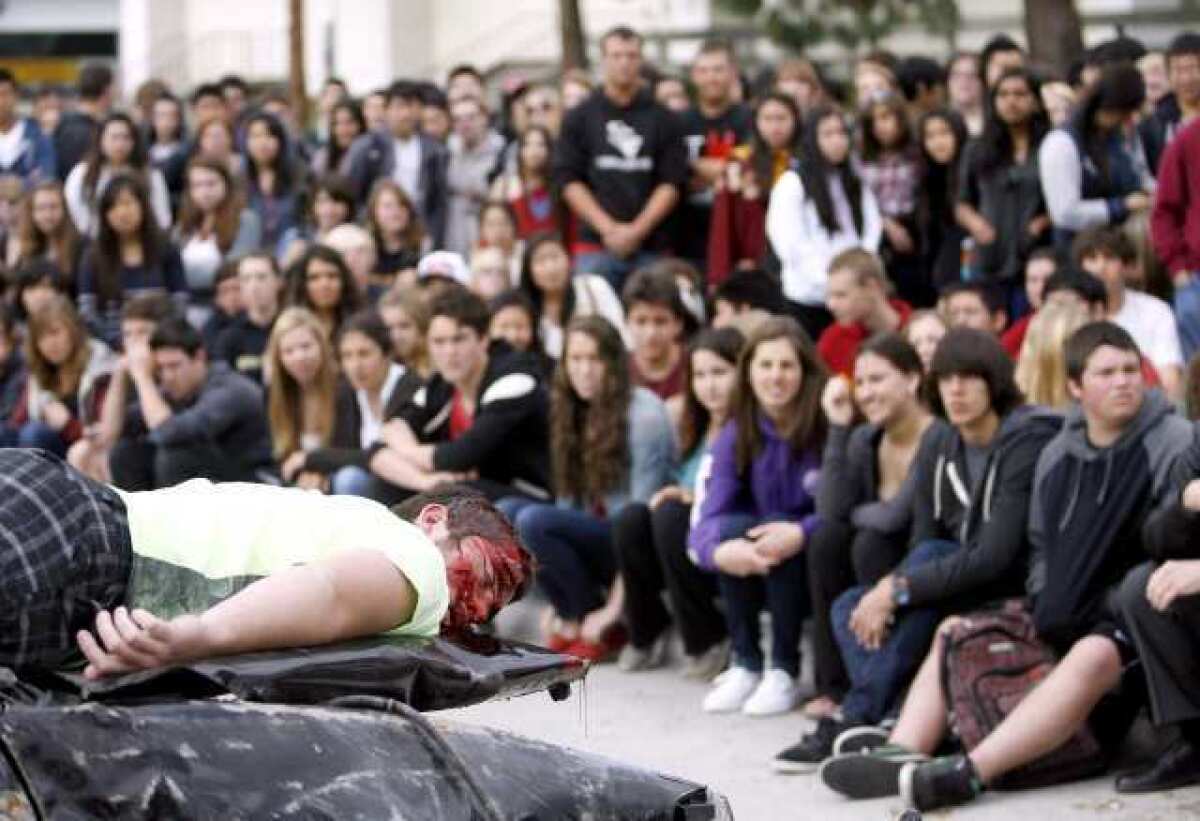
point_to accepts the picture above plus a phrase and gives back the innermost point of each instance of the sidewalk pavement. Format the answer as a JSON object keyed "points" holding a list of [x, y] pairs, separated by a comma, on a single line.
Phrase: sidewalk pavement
{"points": [[653, 719]]}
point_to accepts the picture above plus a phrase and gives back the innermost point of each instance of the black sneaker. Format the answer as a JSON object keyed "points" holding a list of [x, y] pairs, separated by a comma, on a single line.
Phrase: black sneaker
{"points": [[860, 739], [807, 754], [942, 782], [869, 775]]}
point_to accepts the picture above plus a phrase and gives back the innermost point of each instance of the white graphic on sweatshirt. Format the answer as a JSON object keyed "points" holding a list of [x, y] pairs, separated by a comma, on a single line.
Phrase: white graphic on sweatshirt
{"points": [[628, 142]]}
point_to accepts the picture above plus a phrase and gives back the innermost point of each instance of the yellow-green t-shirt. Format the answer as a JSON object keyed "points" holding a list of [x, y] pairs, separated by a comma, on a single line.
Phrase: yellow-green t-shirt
{"points": [[199, 542]]}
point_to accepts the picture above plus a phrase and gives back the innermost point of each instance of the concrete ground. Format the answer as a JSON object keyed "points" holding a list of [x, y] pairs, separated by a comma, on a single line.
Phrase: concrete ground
{"points": [[653, 719]]}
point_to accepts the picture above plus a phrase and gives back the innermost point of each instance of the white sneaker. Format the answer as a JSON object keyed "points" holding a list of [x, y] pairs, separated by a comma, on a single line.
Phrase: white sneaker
{"points": [[777, 693], [731, 690]]}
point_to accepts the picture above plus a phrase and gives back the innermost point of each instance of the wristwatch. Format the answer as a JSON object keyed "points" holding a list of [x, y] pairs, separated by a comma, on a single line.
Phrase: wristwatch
{"points": [[900, 593]]}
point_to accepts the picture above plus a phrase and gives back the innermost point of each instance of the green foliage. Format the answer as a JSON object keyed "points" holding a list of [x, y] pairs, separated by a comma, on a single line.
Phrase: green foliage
{"points": [[800, 24]]}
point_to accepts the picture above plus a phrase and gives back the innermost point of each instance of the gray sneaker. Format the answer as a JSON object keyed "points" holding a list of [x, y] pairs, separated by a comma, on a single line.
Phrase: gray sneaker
{"points": [[869, 775], [633, 659], [709, 664]]}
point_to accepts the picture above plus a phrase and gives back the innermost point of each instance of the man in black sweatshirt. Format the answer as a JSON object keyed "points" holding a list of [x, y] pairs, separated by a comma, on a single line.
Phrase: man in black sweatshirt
{"points": [[1094, 486], [483, 415], [621, 164], [193, 419], [1160, 601], [968, 543]]}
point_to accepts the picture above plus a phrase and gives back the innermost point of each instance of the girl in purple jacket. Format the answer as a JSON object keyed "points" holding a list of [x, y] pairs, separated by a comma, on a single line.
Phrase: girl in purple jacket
{"points": [[759, 512]]}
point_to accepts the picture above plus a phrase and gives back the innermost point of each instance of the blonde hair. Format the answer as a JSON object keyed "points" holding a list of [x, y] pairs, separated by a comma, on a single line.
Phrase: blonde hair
{"points": [[411, 300], [285, 397], [1042, 366]]}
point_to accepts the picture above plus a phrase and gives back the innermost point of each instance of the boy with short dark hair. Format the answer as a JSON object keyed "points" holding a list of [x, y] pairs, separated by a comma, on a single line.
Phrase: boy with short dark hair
{"points": [[483, 412], [192, 419], [1093, 487], [974, 305], [1108, 254], [656, 318]]}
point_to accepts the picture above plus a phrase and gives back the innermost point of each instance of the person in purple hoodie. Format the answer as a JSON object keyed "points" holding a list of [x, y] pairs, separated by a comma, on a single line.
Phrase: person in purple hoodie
{"points": [[759, 512]]}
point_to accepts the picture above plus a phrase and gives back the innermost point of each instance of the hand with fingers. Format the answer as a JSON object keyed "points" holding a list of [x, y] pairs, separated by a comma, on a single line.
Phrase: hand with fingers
{"points": [[128, 640]]}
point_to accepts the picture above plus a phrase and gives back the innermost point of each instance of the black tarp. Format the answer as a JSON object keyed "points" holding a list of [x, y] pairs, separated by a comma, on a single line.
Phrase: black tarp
{"points": [[228, 760], [426, 674]]}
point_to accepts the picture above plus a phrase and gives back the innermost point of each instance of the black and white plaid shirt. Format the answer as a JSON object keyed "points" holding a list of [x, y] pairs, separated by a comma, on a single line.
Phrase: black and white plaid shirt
{"points": [[64, 554]]}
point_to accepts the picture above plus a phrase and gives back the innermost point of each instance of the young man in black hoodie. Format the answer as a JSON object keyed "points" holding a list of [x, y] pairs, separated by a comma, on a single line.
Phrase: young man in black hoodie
{"points": [[483, 414], [1094, 486], [973, 477], [1160, 601], [621, 164]]}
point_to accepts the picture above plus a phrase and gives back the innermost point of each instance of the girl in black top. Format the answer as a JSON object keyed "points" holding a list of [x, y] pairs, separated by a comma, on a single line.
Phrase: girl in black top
{"points": [[131, 255], [1000, 197], [942, 135]]}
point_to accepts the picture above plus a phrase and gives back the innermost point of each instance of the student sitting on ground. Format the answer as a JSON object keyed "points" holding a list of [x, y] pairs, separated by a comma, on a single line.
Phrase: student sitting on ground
{"points": [[1158, 603], [759, 513], [484, 411], [192, 419], [611, 445], [662, 526], [974, 305], [968, 537], [866, 495], [1108, 255], [1094, 485]]}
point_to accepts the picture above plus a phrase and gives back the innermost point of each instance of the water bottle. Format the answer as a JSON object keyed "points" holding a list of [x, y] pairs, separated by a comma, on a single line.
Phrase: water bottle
{"points": [[968, 258]]}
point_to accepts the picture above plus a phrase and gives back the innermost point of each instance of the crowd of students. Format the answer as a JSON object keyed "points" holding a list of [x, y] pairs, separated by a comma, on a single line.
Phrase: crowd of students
{"points": [[873, 356]]}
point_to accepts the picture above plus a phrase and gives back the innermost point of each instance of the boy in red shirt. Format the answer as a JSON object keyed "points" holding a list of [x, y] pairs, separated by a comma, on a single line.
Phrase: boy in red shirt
{"points": [[857, 296]]}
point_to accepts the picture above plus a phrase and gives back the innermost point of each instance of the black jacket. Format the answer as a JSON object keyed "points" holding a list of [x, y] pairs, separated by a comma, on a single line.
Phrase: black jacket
{"points": [[1089, 508], [507, 443], [987, 518], [12, 382], [73, 138], [849, 488], [241, 345], [373, 155], [621, 155], [1172, 532], [1158, 129], [345, 445]]}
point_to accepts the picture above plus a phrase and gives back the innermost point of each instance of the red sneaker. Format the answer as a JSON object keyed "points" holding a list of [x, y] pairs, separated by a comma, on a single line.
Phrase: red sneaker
{"points": [[557, 642], [604, 650]]}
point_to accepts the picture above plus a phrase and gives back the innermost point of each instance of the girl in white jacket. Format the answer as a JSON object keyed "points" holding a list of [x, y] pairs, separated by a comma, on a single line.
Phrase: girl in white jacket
{"points": [[818, 210]]}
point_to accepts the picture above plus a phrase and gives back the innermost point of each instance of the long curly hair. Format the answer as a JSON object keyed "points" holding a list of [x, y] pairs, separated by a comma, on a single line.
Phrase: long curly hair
{"points": [[806, 425], [589, 440]]}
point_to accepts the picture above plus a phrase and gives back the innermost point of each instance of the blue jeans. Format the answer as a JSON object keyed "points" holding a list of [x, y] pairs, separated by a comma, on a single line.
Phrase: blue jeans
{"points": [[1187, 317], [783, 591], [576, 562], [41, 435], [612, 268], [356, 481], [878, 676]]}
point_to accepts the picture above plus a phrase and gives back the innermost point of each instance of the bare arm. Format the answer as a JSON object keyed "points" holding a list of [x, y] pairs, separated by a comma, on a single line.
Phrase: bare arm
{"points": [[155, 409], [112, 412], [355, 593]]}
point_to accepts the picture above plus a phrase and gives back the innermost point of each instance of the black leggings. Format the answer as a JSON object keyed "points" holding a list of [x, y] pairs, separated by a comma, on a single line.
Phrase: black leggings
{"points": [[651, 548], [840, 557]]}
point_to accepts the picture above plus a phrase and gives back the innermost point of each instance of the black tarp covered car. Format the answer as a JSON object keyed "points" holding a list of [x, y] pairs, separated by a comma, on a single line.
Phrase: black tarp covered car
{"points": [[331, 732]]}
